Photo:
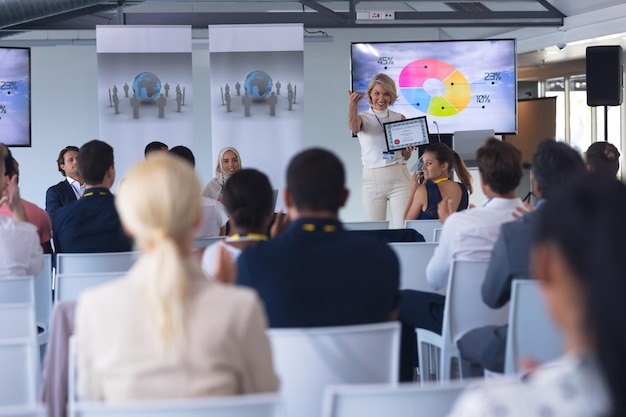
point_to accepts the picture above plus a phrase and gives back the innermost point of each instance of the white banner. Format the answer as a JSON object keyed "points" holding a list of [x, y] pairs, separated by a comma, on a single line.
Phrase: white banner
{"points": [[145, 89], [257, 95]]}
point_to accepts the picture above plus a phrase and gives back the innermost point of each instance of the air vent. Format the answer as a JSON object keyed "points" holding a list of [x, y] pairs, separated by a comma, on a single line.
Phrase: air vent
{"points": [[471, 7]]}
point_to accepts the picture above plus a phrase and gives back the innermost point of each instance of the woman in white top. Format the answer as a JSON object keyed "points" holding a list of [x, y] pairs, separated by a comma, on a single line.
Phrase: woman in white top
{"points": [[579, 261], [385, 176], [164, 330], [249, 198], [228, 162]]}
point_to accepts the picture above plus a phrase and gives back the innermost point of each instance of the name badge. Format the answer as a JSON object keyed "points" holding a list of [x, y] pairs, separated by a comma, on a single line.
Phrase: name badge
{"points": [[388, 156]]}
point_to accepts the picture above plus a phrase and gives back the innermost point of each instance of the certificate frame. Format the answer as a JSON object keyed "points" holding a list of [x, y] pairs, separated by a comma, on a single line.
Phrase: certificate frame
{"points": [[404, 133]]}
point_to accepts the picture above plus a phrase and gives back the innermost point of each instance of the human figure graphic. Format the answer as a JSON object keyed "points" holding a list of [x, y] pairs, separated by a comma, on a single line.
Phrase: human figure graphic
{"points": [[179, 101], [184, 96], [227, 97], [238, 88], [134, 102], [295, 91], [290, 98], [227, 89], [246, 100], [273, 99], [222, 94], [110, 99], [167, 89], [116, 103], [114, 89], [161, 101], [289, 87], [278, 85], [126, 88]]}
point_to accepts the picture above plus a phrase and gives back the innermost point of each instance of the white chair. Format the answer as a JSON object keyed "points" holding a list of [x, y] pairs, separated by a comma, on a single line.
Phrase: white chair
{"points": [[17, 290], [205, 242], [383, 400], [371, 225], [69, 286], [23, 411], [258, 405], [19, 371], [43, 298], [464, 310], [17, 321], [79, 263], [437, 234], [413, 258], [425, 227], [308, 359], [531, 332]]}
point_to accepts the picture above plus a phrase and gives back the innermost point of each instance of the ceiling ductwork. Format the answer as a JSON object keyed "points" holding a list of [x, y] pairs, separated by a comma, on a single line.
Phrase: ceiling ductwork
{"points": [[16, 12]]}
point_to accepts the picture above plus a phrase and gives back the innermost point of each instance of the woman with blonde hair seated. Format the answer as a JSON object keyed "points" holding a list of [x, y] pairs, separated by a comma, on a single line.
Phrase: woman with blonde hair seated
{"points": [[164, 330]]}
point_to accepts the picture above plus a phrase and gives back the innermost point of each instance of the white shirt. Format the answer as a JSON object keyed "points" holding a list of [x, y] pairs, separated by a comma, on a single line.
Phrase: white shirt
{"points": [[20, 250], [469, 235], [568, 387], [77, 187], [372, 138], [213, 218], [209, 257]]}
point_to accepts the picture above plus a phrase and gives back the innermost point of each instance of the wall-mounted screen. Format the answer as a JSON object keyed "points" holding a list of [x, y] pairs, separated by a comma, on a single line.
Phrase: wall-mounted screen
{"points": [[15, 96], [461, 85]]}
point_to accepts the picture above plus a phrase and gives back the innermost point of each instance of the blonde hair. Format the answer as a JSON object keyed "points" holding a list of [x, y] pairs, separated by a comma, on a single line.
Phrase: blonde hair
{"points": [[386, 82], [162, 221]]}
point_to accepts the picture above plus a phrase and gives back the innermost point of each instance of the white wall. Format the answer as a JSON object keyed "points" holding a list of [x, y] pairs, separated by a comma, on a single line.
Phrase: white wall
{"points": [[64, 107]]}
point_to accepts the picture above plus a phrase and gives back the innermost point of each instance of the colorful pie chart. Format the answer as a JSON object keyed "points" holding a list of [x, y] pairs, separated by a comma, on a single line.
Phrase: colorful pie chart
{"points": [[434, 87]]}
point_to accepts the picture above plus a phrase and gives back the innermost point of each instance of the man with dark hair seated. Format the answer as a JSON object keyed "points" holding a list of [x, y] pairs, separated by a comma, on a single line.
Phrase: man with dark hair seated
{"points": [[554, 165], [155, 146], [315, 273], [92, 224]]}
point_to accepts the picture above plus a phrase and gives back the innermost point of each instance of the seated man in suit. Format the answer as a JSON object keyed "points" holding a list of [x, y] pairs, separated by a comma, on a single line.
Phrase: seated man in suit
{"points": [[315, 273], [36, 216], [554, 164], [71, 188], [92, 224], [19, 244]]}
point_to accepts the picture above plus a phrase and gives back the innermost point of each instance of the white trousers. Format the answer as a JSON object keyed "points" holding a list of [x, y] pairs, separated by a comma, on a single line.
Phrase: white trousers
{"points": [[382, 186]]}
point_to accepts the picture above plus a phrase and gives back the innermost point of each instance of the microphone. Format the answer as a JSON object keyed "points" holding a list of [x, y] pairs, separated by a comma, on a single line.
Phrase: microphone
{"points": [[438, 135]]}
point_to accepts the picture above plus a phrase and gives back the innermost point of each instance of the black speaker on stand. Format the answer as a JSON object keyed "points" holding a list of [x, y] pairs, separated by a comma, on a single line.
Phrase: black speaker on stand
{"points": [[605, 86]]}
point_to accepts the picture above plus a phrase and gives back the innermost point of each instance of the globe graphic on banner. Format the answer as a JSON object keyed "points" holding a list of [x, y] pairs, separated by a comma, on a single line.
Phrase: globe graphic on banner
{"points": [[434, 87], [147, 86], [258, 84]]}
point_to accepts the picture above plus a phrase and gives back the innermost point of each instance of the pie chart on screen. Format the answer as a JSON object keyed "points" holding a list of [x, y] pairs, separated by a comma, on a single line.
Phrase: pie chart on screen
{"points": [[434, 87]]}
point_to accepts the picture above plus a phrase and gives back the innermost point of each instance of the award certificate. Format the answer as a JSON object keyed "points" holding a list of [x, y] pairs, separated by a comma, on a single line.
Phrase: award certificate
{"points": [[405, 133]]}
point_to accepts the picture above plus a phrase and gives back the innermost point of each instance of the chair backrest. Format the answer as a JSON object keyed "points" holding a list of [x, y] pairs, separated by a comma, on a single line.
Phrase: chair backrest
{"points": [[17, 321], [465, 309], [413, 258], [43, 294], [23, 411], [532, 333], [19, 375], [17, 290], [383, 400], [80, 263], [437, 234], [425, 227], [69, 286], [371, 225], [308, 359], [205, 242], [258, 405]]}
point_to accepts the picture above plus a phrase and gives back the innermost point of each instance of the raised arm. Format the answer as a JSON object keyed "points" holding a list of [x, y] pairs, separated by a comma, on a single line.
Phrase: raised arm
{"points": [[354, 120], [418, 200]]}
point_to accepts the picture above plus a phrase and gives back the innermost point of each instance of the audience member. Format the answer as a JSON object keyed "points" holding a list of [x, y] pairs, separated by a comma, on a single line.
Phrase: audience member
{"points": [[439, 161], [164, 330], [554, 165], [71, 188], [603, 158], [249, 198], [315, 273], [471, 234], [19, 244], [154, 147], [214, 217], [228, 162], [92, 224], [579, 262], [35, 215]]}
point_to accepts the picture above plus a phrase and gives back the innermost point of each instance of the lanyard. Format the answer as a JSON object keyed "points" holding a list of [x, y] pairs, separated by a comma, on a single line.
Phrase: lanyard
{"points": [[249, 236], [437, 181], [376, 116]]}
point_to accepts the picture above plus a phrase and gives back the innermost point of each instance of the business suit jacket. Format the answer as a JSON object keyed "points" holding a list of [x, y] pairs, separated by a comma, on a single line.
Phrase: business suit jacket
{"points": [[59, 195], [226, 350], [90, 225]]}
